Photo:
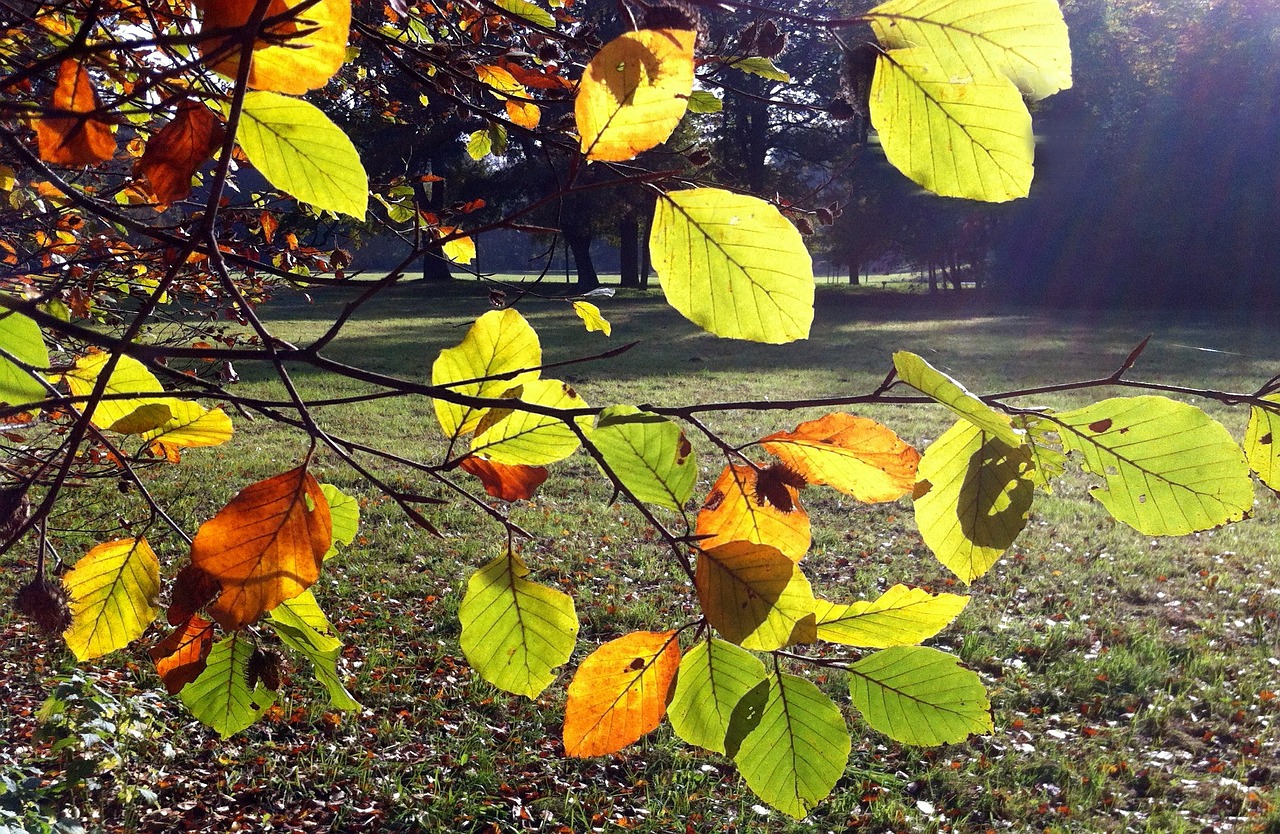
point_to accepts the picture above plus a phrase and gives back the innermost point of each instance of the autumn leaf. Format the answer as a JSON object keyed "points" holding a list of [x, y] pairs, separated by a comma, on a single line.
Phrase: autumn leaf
{"points": [[901, 616], [855, 455], [755, 596], [129, 377], [265, 546], [312, 42], [192, 590], [619, 693], [509, 482], [592, 317], [177, 151], [500, 342], [180, 657], [113, 589], [221, 697], [74, 139], [735, 511], [515, 436], [190, 425]]}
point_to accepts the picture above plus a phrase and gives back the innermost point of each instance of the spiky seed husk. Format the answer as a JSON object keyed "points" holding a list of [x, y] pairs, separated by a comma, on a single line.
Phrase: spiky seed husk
{"points": [[47, 605]]}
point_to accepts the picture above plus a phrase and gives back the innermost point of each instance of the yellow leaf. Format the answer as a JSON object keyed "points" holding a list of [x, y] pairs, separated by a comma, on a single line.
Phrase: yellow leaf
{"points": [[128, 377], [460, 250], [619, 693], [113, 591], [502, 82], [591, 317], [634, 93], [190, 424], [735, 510], [500, 342], [312, 42], [524, 113], [755, 596], [856, 455]]}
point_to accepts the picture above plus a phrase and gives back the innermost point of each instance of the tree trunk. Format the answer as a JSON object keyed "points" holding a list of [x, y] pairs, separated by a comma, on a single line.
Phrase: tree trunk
{"points": [[855, 272], [430, 197], [646, 262], [629, 257], [579, 242], [933, 276]]}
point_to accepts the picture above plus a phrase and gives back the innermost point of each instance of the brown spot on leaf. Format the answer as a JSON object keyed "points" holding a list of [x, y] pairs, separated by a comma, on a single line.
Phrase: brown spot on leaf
{"points": [[1099, 426], [714, 500], [636, 664], [684, 448], [921, 489], [1265, 440]]}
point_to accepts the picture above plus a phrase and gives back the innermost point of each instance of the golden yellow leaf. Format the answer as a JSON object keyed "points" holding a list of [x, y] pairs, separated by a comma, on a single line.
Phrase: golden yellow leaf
{"points": [[311, 47], [855, 455], [592, 318], [736, 510], [113, 591], [619, 693]]}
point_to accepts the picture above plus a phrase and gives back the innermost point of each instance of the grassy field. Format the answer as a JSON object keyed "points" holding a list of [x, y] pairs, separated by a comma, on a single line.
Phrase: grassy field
{"points": [[1133, 679]]}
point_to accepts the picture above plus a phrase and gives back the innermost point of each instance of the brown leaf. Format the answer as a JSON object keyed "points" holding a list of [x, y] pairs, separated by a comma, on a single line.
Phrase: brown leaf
{"points": [[175, 153], [74, 140], [180, 657], [193, 589], [265, 546], [510, 482]]}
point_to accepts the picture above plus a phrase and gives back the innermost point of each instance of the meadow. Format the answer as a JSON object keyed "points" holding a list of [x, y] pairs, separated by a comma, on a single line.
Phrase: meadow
{"points": [[1133, 680]]}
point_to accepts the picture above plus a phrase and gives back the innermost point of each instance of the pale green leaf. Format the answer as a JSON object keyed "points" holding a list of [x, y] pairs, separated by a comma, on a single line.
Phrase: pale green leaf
{"points": [[798, 748], [733, 265], [972, 498], [112, 592], [762, 67], [220, 698], [901, 616], [931, 382], [515, 632], [20, 338], [513, 436], [344, 511], [649, 454], [302, 626], [918, 695], [701, 101], [1260, 446], [303, 153], [1049, 461], [755, 595], [1169, 468], [529, 11], [500, 342], [714, 677]]}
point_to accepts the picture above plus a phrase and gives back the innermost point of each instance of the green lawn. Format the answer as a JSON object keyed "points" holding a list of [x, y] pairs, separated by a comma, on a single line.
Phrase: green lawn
{"points": [[1132, 678]]}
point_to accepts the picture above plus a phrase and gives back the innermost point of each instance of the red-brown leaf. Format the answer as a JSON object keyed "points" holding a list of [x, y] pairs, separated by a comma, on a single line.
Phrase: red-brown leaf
{"points": [[74, 140], [180, 657], [508, 482], [175, 153]]}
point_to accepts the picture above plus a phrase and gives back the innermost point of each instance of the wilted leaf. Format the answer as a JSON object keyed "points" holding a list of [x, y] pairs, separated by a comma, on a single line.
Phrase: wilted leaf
{"points": [[507, 482], [931, 382], [500, 342], [714, 677], [919, 695], [634, 93], [74, 140], [312, 47], [592, 318], [1170, 469], [733, 265], [181, 657], [303, 627], [220, 697], [522, 437], [516, 632], [855, 455], [755, 596], [648, 453], [113, 591], [177, 151], [619, 693], [192, 590], [1260, 443], [734, 511], [265, 546], [901, 616], [20, 337]]}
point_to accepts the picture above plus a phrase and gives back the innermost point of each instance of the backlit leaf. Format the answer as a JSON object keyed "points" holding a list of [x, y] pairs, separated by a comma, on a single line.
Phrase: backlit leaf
{"points": [[855, 455], [648, 453], [20, 338], [311, 47], [1050, 462], [265, 546], [500, 342], [973, 498], [1169, 468], [918, 695], [931, 382], [702, 101], [177, 151], [755, 596], [634, 93], [74, 140], [1260, 443], [733, 265], [181, 657], [128, 377], [521, 437], [507, 482], [592, 318], [798, 748], [714, 677], [901, 616], [143, 419], [460, 250], [526, 114], [300, 151], [112, 591], [303, 627], [529, 11], [191, 425], [762, 67], [220, 697], [344, 516], [619, 693], [734, 511], [516, 632]]}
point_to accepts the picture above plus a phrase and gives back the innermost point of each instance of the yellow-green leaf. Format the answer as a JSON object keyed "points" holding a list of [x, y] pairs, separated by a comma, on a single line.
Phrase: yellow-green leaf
{"points": [[702, 101], [344, 514], [20, 338], [302, 626], [143, 419], [918, 695], [113, 589], [522, 437], [191, 425], [516, 632], [648, 453], [303, 153], [500, 342], [901, 616], [714, 678], [220, 698], [634, 93], [1260, 443], [733, 265], [755, 596], [972, 499], [128, 377], [1170, 469], [529, 11], [931, 382], [762, 67], [592, 318]]}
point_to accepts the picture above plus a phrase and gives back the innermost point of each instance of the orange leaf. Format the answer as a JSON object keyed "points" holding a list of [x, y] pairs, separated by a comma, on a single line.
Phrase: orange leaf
{"points": [[175, 153], [180, 657], [855, 455], [74, 140], [737, 509], [303, 53], [193, 589], [264, 547], [510, 482], [619, 693]]}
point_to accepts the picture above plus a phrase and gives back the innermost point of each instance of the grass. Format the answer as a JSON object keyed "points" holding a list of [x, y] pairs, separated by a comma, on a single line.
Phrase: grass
{"points": [[1130, 676]]}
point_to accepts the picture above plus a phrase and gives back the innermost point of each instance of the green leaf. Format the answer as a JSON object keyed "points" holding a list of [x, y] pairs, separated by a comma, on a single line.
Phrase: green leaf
{"points": [[344, 511], [733, 265], [901, 616], [1022, 40], [1169, 468], [300, 151], [302, 626], [931, 382], [918, 695], [500, 342], [701, 101], [1050, 463], [20, 338], [972, 498], [797, 750], [113, 590], [1260, 447], [513, 436], [648, 453], [529, 11], [968, 140], [755, 595], [515, 632], [714, 677], [762, 67], [220, 698]]}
